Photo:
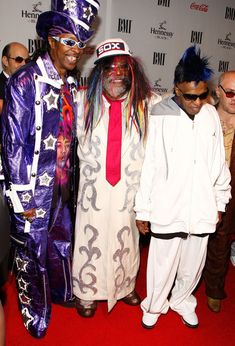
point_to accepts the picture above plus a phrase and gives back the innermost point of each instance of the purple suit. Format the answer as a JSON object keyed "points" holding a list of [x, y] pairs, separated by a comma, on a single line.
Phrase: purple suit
{"points": [[31, 126]]}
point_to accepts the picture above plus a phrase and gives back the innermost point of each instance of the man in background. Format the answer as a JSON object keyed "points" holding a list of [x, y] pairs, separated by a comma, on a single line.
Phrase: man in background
{"points": [[219, 243], [14, 55]]}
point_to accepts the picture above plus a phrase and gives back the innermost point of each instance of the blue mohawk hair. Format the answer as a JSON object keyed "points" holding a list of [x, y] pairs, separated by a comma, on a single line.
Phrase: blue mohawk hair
{"points": [[192, 68]]}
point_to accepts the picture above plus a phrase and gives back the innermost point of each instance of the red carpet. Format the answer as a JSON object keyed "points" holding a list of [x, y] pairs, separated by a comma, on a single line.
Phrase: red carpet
{"points": [[122, 326]]}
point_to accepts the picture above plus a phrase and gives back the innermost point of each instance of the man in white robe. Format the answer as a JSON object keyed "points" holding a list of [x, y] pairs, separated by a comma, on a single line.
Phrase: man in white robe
{"points": [[106, 253]]}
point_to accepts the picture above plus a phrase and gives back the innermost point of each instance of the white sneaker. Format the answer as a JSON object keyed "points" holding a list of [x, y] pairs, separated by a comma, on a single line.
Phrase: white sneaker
{"points": [[149, 320], [190, 320]]}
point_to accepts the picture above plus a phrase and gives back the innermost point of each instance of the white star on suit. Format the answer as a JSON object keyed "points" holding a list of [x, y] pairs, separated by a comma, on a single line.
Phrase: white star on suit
{"points": [[21, 264], [27, 318], [26, 197], [50, 142], [51, 100], [45, 179], [40, 213]]}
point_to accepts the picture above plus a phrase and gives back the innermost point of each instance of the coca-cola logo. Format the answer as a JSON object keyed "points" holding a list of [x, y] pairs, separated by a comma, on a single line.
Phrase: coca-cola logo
{"points": [[199, 7]]}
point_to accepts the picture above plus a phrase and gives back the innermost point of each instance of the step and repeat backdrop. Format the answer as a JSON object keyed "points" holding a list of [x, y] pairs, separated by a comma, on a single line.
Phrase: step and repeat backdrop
{"points": [[157, 32]]}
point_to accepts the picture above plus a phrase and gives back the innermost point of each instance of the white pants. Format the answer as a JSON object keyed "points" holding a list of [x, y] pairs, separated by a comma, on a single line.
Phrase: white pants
{"points": [[175, 261]]}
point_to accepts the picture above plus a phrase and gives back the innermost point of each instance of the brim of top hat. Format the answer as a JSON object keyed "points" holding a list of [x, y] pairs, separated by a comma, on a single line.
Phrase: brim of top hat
{"points": [[48, 19]]}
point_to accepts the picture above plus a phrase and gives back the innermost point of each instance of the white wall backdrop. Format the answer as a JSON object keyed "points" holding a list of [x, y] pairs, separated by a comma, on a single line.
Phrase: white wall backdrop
{"points": [[157, 31]]}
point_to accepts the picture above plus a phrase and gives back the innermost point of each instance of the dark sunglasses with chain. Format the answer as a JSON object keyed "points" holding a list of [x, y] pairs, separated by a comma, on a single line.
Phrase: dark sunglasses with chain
{"points": [[194, 97], [228, 94], [19, 59]]}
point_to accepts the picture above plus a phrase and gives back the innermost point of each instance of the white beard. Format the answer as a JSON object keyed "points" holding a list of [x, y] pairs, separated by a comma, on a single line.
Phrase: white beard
{"points": [[115, 91]]}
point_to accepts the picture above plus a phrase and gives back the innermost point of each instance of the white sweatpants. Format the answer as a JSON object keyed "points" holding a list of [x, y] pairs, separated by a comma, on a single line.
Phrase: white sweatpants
{"points": [[175, 261]]}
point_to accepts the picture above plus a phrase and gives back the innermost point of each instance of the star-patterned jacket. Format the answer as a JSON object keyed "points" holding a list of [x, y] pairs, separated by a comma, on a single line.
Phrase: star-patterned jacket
{"points": [[30, 123]]}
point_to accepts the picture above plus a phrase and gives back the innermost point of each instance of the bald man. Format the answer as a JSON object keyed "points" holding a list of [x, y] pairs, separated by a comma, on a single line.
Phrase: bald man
{"points": [[219, 243], [14, 55]]}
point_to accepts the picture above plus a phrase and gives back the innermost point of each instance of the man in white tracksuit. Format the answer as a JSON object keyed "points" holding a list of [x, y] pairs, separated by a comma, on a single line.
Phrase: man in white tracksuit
{"points": [[184, 188]]}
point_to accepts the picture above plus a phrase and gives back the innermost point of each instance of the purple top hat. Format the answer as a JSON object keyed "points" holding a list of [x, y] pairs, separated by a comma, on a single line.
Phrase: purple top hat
{"points": [[69, 16]]}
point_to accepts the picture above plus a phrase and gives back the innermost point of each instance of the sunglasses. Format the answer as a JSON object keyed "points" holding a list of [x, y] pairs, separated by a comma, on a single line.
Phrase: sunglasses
{"points": [[19, 59], [114, 67], [69, 42], [194, 97], [228, 94]]}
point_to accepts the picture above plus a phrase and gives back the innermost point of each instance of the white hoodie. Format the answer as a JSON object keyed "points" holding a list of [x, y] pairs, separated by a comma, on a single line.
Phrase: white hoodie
{"points": [[185, 179]]}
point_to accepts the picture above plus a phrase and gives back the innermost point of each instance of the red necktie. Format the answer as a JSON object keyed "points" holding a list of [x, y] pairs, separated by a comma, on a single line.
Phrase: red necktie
{"points": [[114, 143]]}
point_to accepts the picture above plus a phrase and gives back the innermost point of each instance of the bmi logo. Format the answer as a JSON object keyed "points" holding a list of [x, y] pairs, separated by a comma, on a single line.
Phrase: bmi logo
{"points": [[165, 3], [161, 32], [158, 87], [32, 15], [223, 66], [230, 13], [227, 42], [124, 25], [34, 45], [159, 58], [196, 37]]}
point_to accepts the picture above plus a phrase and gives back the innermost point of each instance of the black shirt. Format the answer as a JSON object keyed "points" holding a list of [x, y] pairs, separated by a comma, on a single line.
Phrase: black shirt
{"points": [[3, 80]]}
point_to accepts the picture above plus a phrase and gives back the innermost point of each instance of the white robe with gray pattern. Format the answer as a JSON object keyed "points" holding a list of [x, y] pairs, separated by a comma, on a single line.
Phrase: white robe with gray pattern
{"points": [[106, 253]]}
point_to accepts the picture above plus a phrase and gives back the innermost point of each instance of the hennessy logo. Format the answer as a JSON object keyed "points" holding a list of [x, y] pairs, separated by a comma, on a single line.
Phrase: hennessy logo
{"points": [[156, 83], [227, 38], [226, 43], [161, 27], [161, 31], [35, 7], [158, 87], [32, 15]]}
